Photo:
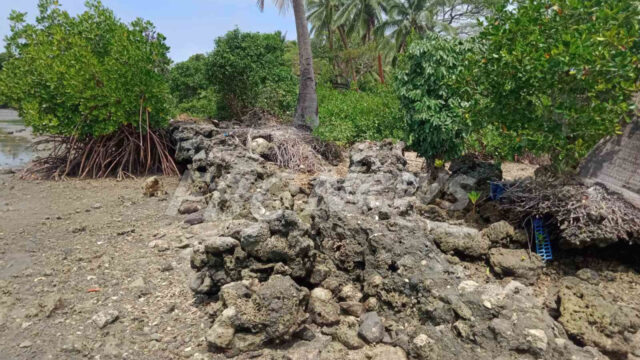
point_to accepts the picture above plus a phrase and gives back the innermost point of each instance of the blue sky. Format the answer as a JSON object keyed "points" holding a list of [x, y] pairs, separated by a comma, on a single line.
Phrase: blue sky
{"points": [[189, 25]]}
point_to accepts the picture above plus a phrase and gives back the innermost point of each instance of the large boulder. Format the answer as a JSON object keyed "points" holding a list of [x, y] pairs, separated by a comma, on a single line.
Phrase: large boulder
{"points": [[258, 313]]}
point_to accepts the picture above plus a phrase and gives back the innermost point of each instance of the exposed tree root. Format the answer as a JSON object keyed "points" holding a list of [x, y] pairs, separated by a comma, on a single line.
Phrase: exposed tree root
{"points": [[125, 153]]}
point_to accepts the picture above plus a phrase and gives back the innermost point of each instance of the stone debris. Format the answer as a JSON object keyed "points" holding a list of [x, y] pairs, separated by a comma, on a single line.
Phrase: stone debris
{"points": [[357, 267], [104, 318]]}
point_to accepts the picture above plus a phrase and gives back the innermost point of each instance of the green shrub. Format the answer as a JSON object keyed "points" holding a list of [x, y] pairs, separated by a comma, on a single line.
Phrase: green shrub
{"points": [[201, 106], [248, 71], [431, 93], [558, 75], [351, 116], [187, 79], [3, 58], [496, 143], [85, 75]]}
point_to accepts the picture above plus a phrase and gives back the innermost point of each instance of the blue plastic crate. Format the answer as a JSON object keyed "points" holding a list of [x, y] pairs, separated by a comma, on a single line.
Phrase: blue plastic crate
{"points": [[543, 243]]}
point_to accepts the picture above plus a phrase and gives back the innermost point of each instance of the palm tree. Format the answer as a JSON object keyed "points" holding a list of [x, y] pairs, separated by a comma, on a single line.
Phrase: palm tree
{"points": [[405, 17], [361, 17], [321, 15], [306, 115]]}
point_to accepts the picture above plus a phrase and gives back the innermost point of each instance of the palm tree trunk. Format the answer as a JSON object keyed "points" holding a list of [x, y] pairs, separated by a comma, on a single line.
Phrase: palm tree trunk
{"points": [[333, 61], [307, 110], [380, 69], [345, 43]]}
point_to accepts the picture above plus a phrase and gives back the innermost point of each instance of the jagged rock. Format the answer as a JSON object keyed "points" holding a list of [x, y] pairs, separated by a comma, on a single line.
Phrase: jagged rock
{"points": [[201, 283], [596, 320], [482, 172], [104, 318], [352, 308], [273, 309], [220, 244], [370, 157], [386, 352], [459, 239], [499, 234], [347, 333], [371, 328], [361, 238], [350, 293], [589, 276], [516, 262], [254, 235], [261, 147], [153, 187], [323, 309], [222, 332]]}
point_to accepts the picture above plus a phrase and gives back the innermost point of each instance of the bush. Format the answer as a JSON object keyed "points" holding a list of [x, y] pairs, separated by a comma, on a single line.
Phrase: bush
{"points": [[558, 75], [431, 93], [202, 105], [3, 58], [187, 79], [248, 71], [85, 75], [351, 116]]}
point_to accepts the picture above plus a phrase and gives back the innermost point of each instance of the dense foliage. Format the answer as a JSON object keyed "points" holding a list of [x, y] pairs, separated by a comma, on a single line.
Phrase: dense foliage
{"points": [[187, 79], [84, 75], [3, 58], [191, 90], [350, 116], [557, 76], [249, 71], [431, 92]]}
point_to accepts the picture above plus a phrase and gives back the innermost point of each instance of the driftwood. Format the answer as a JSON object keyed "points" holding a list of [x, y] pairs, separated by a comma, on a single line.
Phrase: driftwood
{"points": [[584, 216]]}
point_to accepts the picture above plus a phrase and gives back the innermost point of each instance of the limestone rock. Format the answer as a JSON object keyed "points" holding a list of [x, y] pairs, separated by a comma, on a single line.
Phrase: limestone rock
{"points": [[104, 318], [516, 263], [371, 328]]}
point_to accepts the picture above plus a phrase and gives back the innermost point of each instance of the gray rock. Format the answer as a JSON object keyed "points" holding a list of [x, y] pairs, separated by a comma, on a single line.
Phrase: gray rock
{"points": [[371, 328], [352, 308], [275, 309], [595, 318], [190, 207], [499, 234], [104, 318], [194, 219], [459, 239], [386, 352], [254, 235], [324, 312], [589, 276], [222, 332], [347, 333], [516, 262], [220, 244]]}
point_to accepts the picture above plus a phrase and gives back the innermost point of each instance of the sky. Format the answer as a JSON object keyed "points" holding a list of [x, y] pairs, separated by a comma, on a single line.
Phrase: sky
{"points": [[189, 25]]}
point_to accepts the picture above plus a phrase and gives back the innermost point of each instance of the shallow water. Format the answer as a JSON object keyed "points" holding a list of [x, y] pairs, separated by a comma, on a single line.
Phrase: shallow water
{"points": [[15, 143]]}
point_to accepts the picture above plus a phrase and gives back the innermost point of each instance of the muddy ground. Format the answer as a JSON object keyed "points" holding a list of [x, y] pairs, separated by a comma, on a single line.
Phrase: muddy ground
{"points": [[70, 250]]}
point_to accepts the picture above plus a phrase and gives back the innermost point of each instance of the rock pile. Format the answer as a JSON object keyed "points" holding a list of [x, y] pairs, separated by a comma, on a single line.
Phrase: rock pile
{"points": [[354, 267]]}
